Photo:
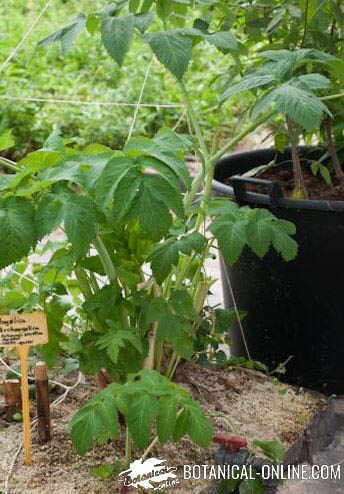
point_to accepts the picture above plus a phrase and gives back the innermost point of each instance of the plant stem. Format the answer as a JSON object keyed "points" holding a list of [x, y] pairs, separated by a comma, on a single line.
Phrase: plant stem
{"points": [[332, 96], [174, 368], [171, 364], [150, 359], [159, 350], [105, 258], [299, 191], [305, 24], [194, 120], [332, 149], [83, 282], [93, 282], [156, 439], [9, 164], [247, 130], [128, 447]]}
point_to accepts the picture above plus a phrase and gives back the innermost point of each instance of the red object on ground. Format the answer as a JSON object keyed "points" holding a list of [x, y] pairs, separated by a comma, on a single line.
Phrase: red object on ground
{"points": [[233, 443]]}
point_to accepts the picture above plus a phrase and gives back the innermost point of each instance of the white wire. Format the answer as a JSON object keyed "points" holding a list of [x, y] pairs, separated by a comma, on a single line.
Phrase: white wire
{"points": [[25, 37], [138, 104], [90, 103]]}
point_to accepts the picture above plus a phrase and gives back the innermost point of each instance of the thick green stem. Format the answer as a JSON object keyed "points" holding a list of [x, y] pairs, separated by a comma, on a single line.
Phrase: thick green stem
{"points": [[194, 120], [150, 359], [246, 131], [105, 258], [86, 290], [299, 191]]}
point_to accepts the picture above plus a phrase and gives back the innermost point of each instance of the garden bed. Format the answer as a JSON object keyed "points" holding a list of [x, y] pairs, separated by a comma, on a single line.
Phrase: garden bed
{"points": [[239, 401]]}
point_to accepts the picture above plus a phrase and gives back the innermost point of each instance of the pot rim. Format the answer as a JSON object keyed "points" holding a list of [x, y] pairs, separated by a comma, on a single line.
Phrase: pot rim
{"points": [[265, 199]]}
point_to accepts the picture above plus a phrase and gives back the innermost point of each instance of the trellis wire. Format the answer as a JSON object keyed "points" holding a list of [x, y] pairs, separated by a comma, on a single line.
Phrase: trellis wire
{"points": [[138, 104], [90, 103], [25, 37]]}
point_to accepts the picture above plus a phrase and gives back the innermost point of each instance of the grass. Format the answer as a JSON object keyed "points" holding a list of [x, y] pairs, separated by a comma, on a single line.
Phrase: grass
{"points": [[87, 73]]}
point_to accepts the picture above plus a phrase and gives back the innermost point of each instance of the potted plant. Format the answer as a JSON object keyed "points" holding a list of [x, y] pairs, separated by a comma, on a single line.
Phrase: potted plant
{"points": [[136, 243], [295, 312]]}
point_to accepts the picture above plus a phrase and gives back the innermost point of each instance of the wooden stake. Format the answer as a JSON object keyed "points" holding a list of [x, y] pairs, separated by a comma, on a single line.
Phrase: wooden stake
{"points": [[42, 403], [23, 352], [12, 398]]}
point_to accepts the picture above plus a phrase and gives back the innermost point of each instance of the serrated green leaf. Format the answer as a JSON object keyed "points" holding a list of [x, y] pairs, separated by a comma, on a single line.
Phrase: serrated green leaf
{"points": [[79, 221], [113, 341], [231, 236], [169, 140], [54, 142], [199, 429], [252, 486], [77, 212], [167, 418], [182, 303], [284, 244], [6, 140], [182, 425], [150, 200], [225, 319], [67, 35], [166, 254], [173, 50], [249, 82], [311, 81], [259, 233], [49, 215], [301, 106], [95, 422], [110, 177], [17, 229], [166, 158], [142, 410], [182, 340], [272, 449], [265, 229], [117, 34], [143, 21], [225, 41], [56, 311]]}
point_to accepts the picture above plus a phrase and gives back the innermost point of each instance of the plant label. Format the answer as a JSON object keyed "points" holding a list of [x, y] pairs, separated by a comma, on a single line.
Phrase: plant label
{"points": [[23, 329]]}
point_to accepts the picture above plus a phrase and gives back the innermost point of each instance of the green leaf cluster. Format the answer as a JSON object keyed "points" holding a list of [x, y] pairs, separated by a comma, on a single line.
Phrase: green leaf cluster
{"points": [[236, 228], [147, 399]]}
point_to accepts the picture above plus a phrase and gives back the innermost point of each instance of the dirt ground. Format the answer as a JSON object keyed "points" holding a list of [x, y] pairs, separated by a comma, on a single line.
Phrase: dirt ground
{"points": [[237, 401]]}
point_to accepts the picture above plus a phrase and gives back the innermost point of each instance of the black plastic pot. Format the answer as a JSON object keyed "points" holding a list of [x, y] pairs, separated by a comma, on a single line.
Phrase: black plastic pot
{"points": [[294, 308]]}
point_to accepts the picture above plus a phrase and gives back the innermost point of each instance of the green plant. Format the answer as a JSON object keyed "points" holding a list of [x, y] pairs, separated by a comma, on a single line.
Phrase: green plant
{"points": [[38, 81], [299, 77], [136, 226]]}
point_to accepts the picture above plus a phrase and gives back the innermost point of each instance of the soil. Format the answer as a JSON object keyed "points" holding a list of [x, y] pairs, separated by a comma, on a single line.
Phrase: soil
{"points": [[316, 187], [237, 401]]}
